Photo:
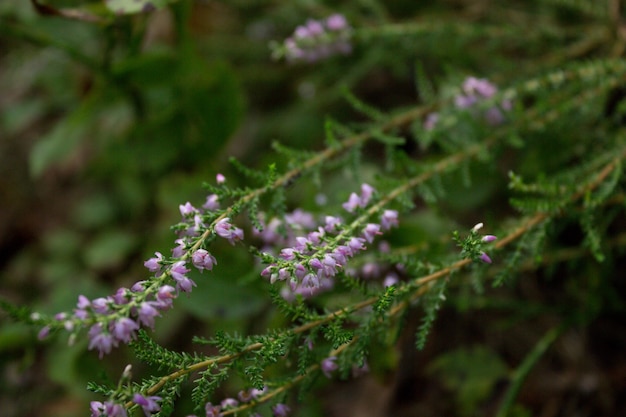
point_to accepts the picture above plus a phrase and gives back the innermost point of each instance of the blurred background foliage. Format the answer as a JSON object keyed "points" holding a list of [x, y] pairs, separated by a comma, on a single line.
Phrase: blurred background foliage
{"points": [[107, 126]]}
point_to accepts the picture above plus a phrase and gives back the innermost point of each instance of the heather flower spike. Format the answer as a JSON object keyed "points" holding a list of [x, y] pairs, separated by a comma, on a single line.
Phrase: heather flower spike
{"points": [[316, 40]]}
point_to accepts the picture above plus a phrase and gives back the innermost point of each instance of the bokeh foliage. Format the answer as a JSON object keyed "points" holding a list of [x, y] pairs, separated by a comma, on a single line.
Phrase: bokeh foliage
{"points": [[111, 120]]}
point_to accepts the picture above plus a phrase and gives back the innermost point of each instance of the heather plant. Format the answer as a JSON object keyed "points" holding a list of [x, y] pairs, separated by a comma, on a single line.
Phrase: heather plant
{"points": [[498, 172]]}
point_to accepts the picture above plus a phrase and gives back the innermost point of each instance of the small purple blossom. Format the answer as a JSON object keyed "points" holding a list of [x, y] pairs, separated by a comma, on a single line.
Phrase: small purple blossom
{"points": [[485, 258], [101, 305], [316, 40], [489, 238], [389, 219], [121, 296], [390, 279], [187, 210], [100, 339], [178, 272], [353, 202], [328, 366], [229, 403], [97, 408], [212, 203], [212, 410], [180, 248], [148, 404], [370, 231], [367, 191], [478, 89], [164, 297], [43, 333], [336, 22], [147, 313], [225, 229], [124, 329], [281, 410], [112, 409], [220, 179], [202, 259], [332, 224], [83, 302], [154, 264]]}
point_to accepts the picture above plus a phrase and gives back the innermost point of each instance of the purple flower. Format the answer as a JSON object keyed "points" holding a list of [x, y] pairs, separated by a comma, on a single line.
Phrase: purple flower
{"points": [[100, 339], [336, 22], [229, 403], [281, 410], [329, 266], [187, 209], [164, 297], [224, 229], [148, 404], [122, 296], [310, 282], [332, 223], [476, 90], [220, 179], [179, 250], [83, 302], [178, 272], [212, 202], [389, 219], [124, 329], [288, 254], [489, 238], [101, 305], [212, 411], [390, 279], [370, 231], [154, 264], [485, 258], [355, 245], [114, 410], [43, 333], [97, 408], [202, 259], [366, 194], [329, 365], [251, 394], [147, 313], [300, 219], [353, 202], [317, 39], [480, 86]]}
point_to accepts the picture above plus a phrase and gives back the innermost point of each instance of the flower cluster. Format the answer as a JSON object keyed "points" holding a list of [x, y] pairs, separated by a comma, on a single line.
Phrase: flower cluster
{"points": [[474, 90], [244, 397], [117, 318], [311, 263], [472, 244], [316, 40], [486, 239], [149, 405]]}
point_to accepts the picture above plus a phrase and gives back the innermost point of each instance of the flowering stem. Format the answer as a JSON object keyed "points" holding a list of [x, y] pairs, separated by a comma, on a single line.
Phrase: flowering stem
{"points": [[417, 282]]}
